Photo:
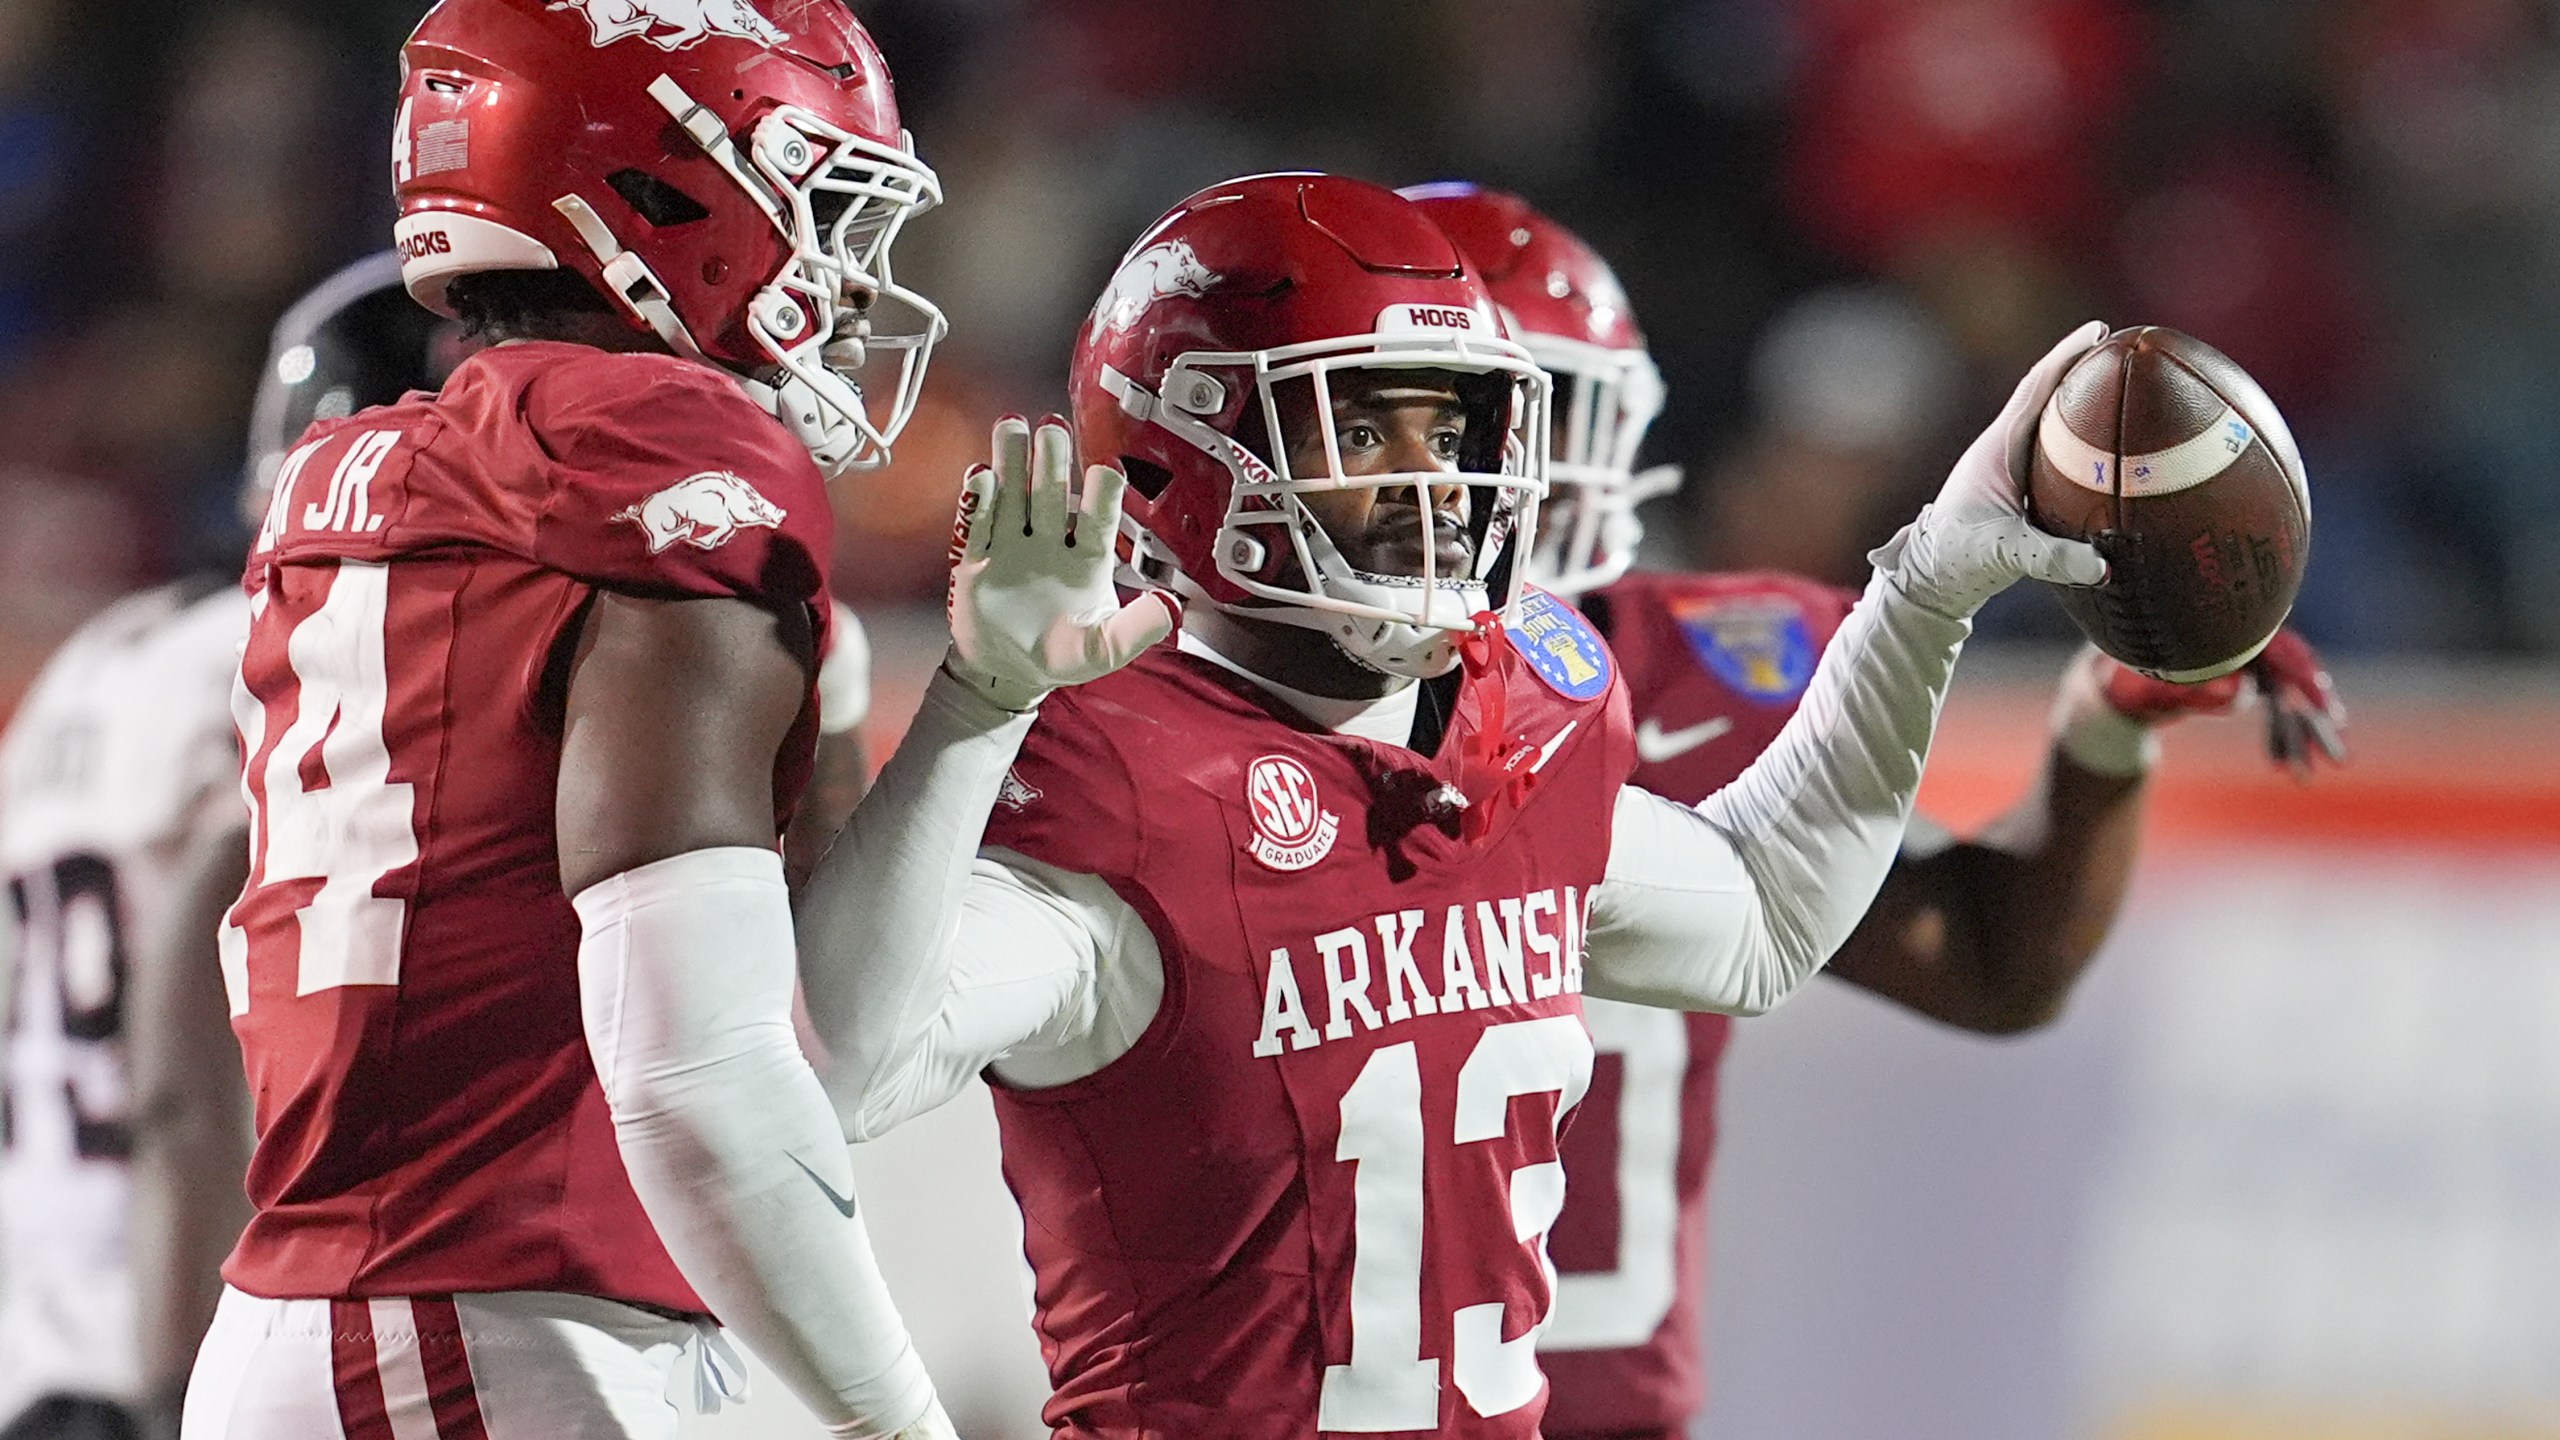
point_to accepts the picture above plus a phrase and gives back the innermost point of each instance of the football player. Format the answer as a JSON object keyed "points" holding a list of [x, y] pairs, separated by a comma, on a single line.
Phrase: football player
{"points": [[1988, 934], [122, 835], [527, 699], [1277, 949], [118, 766]]}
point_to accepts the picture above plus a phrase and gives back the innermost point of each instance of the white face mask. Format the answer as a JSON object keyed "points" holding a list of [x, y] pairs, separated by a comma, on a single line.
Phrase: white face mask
{"points": [[1609, 399], [844, 199], [1398, 624], [840, 201], [1425, 645]]}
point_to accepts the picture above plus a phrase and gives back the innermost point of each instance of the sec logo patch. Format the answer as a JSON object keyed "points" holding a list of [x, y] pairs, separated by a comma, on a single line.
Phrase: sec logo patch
{"points": [[1291, 828], [1761, 647], [1561, 646]]}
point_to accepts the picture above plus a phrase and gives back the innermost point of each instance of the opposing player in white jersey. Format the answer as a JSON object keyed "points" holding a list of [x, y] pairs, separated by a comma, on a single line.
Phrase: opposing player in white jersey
{"points": [[121, 839], [117, 761]]}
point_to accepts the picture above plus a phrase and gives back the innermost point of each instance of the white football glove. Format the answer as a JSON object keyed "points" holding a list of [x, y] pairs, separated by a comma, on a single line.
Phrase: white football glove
{"points": [[1031, 602], [1975, 540]]}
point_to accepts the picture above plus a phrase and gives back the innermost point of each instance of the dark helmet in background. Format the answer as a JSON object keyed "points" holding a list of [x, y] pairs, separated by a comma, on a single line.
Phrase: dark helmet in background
{"points": [[355, 341]]}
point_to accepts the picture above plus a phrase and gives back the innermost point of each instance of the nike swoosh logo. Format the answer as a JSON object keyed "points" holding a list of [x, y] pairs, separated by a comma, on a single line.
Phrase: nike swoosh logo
{"points": [[843, 1203], [1547, 751], [1655, 744]]}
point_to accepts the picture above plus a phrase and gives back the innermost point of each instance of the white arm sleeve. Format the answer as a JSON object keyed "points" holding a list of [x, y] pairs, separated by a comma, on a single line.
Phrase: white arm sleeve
{"points": [[685, 979], [1052, 977], [877, 920], [1731, 905]]}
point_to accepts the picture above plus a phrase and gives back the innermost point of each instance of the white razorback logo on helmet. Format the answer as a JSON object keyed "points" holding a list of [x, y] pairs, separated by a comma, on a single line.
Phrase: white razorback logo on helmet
{"points": [[705, 511], [1149, 276], [675, 24]]}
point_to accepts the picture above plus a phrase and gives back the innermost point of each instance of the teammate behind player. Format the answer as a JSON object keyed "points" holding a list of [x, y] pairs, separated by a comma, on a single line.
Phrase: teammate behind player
{"points": [[1988, 934], [1277, 949], [526, 701], [124, 839]]}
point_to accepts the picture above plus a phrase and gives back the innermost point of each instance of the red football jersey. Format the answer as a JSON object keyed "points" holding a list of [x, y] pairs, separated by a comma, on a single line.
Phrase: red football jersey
{"points": [[1714, 665], [403, 963], [1312, 1198]]}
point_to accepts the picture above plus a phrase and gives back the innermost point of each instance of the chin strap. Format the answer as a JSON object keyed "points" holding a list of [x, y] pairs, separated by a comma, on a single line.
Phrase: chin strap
{"points": [[629, 277], [834, 443], [699, 122]]}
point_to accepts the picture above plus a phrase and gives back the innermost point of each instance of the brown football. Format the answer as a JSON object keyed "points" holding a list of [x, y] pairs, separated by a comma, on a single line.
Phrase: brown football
{"points": [[2169, 458]]}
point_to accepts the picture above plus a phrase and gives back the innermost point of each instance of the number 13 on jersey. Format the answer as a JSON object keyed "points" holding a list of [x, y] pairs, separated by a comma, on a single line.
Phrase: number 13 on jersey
{"points": [[1389, 1384]]}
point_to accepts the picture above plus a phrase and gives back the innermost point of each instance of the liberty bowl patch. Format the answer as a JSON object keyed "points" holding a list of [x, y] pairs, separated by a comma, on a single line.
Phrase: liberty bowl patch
{"points": [[1761, 648], [1560, 645]]}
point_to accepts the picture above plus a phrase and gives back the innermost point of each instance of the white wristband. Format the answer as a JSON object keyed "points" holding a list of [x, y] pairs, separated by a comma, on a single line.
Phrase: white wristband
{"points": [[2095, 735]]}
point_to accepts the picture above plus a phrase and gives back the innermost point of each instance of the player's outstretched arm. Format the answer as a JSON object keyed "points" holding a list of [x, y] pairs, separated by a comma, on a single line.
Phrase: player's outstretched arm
{"points": [[676, 710], [1991, 934], [1731, 905], [190, 1117], [1032, 608]]}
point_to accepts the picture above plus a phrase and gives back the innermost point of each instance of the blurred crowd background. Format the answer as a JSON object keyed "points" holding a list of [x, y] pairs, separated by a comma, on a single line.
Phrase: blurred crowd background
{"points": [[1846, 224]]}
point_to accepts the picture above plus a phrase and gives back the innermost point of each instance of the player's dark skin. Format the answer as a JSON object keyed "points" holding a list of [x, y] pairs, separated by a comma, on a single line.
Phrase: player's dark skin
{"points": [[1989, 933], [675, 710], [1385, 422]]}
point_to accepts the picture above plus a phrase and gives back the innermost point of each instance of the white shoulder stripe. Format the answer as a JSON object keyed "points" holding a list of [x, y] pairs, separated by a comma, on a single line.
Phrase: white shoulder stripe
{"points": [[2162, 472]]}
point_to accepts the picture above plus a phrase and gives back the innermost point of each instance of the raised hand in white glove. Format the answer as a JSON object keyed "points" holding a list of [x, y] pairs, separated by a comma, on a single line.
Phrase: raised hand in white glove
{"points": [[1975, 540], [1031, 602]]}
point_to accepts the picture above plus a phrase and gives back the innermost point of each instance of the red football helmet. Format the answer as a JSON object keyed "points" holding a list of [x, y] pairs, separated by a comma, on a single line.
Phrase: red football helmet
{"points": [[1564, 303], [731, 172], [1275, 281]]}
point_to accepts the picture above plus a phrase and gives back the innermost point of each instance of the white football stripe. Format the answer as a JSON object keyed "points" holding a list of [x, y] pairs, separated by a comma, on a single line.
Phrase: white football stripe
{"points": [[400, 1356], [2162, 472], [2213, 672]]}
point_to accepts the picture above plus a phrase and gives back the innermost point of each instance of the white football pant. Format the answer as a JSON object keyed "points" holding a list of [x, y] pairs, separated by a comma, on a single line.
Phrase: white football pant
{"points": [[521, 1366]]}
